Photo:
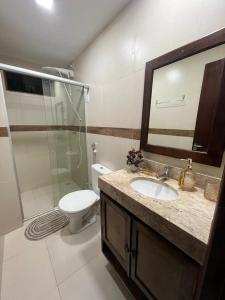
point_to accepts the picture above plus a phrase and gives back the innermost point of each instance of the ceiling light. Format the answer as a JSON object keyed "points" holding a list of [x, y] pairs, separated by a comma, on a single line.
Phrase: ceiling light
{"points": [[47, 4]]}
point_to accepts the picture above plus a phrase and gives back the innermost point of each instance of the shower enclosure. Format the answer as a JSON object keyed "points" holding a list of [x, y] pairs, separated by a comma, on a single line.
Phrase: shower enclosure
{"points": [[48, 133]]}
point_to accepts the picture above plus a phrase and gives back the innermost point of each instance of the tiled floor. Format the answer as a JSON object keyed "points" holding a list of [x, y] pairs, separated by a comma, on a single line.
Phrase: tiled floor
{"points": [[61, 266], [40, 200], [37, 201]]}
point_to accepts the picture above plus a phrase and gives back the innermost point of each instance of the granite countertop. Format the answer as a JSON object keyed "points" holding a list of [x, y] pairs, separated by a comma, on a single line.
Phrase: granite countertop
{"points": [[185, 222]]}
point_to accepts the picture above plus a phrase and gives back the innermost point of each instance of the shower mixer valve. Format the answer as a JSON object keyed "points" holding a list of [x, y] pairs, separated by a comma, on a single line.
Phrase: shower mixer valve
{"points": [[94, 147]]}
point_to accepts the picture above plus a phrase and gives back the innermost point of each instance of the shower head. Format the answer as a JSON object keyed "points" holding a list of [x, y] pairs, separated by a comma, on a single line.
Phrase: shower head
{"points": [[66, 72]]}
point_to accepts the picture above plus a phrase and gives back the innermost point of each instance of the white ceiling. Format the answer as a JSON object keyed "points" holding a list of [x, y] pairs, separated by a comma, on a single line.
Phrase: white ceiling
{"points": [[31, 33]]}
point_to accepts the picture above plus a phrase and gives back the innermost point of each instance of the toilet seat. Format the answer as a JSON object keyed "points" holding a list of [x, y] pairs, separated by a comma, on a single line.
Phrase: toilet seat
{"points": [[78, 201]]}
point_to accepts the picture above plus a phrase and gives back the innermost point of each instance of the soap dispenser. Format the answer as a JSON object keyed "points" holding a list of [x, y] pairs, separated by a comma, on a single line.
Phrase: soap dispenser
{"points": [[187, 177]]}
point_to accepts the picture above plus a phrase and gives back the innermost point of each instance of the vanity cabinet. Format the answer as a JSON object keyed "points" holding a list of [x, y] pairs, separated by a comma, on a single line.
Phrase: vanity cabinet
{"points": [[159, 268], [153, 266], [116, 231]]}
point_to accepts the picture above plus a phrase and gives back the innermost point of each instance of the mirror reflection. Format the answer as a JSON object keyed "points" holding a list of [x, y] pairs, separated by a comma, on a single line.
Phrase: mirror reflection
{"points": [[177, 98]]}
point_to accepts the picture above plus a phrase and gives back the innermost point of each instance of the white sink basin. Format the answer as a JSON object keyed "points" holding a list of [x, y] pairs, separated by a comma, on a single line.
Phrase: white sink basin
{"points": [[154, 189]]}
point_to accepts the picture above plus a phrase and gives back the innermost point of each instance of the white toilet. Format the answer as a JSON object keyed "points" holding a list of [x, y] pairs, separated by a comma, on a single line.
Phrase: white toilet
{"points": [[81, 206]]}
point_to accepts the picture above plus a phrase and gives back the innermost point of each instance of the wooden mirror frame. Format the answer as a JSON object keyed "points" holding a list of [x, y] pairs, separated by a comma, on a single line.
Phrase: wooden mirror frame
{"points": [[215, 150]]}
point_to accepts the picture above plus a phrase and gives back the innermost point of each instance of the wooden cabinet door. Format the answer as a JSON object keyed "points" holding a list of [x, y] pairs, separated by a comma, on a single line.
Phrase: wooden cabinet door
{"points": [[162, 271], [116, 230]]}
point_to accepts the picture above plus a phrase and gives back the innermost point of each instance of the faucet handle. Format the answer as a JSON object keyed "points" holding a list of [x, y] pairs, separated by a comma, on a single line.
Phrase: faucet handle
{"points": [[189, 162], [165, 174], [94, 146], [167, 169]]}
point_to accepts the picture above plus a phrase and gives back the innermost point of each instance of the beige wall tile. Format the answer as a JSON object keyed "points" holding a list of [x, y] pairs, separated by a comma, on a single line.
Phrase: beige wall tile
{"points": [[111, 56], [3, 114], [22, 160], [1, 258], [205, 169], [32, 159], [13, 104], [114, 64], [117, 104], [10, 213], [163, 26], [6, 163], [33, 109], [95, 108], [111, 151], [27, 109]]}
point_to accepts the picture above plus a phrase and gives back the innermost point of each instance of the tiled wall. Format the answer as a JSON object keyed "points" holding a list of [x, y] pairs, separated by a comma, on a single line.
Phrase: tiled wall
{"points": [[32, 159], [114, 66], [10, 210], [30, 148], [1, 258]]}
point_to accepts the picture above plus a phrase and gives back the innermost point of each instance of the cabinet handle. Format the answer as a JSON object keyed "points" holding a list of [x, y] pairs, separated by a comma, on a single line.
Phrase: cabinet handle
{"points": [[130, 251], [197, 147], [127, 248]]}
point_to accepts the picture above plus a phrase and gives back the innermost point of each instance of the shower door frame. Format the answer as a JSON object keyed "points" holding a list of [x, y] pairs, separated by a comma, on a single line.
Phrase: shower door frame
{"points": [[11, 146]]}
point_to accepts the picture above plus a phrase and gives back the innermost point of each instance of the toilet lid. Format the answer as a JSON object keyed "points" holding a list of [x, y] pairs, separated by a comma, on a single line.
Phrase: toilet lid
{"points": [[77, 201]]}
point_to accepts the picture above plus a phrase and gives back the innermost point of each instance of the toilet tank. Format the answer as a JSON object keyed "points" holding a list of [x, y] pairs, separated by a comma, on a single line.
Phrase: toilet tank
{"points": [[96, 171]]}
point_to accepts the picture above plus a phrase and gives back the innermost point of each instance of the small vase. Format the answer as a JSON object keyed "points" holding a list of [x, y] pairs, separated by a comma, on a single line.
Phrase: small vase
{"points": [[133, 168]]}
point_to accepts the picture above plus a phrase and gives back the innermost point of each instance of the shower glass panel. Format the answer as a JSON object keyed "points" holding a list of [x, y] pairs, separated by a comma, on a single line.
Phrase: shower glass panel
{"points": [[65, 113], [27, 120], [48, 136]]}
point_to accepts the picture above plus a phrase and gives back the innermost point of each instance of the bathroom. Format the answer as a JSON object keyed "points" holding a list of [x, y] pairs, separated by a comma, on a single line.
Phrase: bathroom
{"points": [[81, 85]]}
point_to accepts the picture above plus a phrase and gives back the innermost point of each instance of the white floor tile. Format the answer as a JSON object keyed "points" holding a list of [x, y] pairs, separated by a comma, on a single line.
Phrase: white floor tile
{"points": [[16, 243], [82, 272], [70, 252], [51, 295], [40, 200], [28, 276], [36, 201], [92, 282]]}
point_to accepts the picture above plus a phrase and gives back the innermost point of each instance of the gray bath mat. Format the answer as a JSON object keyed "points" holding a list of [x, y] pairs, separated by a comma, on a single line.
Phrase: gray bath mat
{"points": [[46, 225]]}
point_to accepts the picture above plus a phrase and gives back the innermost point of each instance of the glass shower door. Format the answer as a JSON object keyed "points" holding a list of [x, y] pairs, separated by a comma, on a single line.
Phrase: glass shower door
{"points": [[65, 115]]}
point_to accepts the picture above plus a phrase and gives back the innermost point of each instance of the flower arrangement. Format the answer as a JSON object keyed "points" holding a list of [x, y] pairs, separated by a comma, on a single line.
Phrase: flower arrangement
{"points": [[134, 158]]}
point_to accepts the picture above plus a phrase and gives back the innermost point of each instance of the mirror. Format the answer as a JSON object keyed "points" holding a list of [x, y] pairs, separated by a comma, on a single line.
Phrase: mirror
{"points": [[175, 100], [183, 98]]}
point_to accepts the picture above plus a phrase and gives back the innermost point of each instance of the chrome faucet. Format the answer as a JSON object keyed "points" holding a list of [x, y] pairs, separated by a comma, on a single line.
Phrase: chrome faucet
{"points": [[165, 175]]}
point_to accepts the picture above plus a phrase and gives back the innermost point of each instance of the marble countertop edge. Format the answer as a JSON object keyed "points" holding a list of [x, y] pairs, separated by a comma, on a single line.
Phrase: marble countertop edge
{"points": [[157, 214]]}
